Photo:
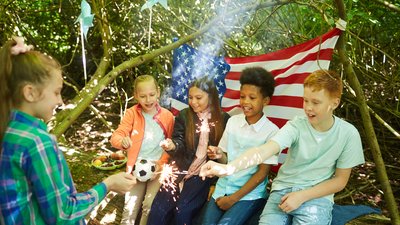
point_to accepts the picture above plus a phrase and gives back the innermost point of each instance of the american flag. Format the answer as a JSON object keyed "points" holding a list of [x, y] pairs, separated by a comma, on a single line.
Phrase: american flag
{"points": [[189, 64], [289, 67]]}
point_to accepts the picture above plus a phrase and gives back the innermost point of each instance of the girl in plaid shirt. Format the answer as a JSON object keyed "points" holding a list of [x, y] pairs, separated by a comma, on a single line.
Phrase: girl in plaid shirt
{"points": [[36, 186]]}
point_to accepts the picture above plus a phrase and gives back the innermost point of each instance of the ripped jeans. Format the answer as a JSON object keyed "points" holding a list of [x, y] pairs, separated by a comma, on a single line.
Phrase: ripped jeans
{"points": [[314, 212]]}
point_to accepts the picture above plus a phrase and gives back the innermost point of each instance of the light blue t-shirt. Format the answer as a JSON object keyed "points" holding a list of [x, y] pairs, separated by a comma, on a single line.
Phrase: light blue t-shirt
{"points": [[313, 156], [153, 135], [236, 139]]}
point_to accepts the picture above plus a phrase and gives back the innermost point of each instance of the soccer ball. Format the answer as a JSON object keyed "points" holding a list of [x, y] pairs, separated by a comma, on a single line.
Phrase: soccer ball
{"points": [[144, 169]]}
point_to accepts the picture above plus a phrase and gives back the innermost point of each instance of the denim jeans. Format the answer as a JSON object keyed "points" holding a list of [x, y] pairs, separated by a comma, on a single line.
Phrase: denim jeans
{"points": [[238, 214], [314, 212]]}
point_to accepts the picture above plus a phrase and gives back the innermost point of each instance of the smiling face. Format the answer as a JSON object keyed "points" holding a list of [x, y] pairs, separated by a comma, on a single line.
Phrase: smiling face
{"points": [[252, 102], [198, 99], [147, 94], [318, 107]]}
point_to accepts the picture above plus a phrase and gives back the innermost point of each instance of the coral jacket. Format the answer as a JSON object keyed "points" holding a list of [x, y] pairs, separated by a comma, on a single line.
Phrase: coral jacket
{"points": [[132, 125]]}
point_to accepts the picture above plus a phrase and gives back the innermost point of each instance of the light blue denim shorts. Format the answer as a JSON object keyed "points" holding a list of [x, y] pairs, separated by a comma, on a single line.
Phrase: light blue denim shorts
{"points": [[314, 212]]}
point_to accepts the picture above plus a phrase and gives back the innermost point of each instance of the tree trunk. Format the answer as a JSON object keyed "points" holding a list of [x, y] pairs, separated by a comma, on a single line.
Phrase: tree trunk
{"points": [[367, 123]]}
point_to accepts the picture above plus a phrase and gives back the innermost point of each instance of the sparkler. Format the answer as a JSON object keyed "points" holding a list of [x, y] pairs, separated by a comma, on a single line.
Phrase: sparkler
{"points": [[168, 176]]}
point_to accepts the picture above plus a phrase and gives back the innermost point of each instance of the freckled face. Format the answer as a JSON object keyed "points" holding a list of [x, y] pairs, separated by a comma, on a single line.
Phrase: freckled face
{"points": [[198, 99]]}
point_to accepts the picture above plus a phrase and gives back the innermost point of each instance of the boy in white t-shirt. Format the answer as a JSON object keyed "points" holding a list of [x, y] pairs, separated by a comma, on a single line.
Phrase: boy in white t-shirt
{"points": [[323, 150]]}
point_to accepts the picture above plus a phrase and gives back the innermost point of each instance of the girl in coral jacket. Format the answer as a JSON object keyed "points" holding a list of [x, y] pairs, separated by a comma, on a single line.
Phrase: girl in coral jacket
{"points": [[140, 132]]}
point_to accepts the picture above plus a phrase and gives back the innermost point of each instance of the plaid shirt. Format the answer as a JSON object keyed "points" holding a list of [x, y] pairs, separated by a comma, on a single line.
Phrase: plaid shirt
{"points": [[36, 185]]}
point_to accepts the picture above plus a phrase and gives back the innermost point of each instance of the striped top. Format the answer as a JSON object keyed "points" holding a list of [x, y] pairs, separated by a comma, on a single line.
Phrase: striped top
{"points": [[36, 185]]}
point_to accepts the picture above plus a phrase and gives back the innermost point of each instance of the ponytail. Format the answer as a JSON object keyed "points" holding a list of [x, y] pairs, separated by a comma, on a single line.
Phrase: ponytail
{"points": [[5, 85]]}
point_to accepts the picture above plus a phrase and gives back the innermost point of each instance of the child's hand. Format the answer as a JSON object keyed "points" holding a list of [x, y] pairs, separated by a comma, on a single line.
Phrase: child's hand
{"points": [[167, 145], [225, 202], [291, 201], [126, 142], [214, 152], [156, 172], [120, 182], [212, 168]]}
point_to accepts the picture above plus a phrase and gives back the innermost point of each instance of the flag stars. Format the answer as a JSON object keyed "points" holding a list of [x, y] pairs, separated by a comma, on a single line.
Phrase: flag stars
{"points": [[215, 70], [191, 64], [184, 54]]}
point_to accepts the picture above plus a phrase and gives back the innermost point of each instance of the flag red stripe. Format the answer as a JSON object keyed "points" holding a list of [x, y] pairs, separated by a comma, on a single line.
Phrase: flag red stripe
{"points": [[296, 78], [278, 121], [232, 94], [289, 101]]}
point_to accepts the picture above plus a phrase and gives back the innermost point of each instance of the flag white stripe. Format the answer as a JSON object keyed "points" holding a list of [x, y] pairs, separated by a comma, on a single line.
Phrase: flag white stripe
{"points": [[282, 112], [178, 105]]}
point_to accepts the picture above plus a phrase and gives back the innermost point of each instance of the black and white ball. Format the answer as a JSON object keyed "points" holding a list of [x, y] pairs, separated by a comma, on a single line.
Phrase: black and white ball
{"points": [[144, 169]]}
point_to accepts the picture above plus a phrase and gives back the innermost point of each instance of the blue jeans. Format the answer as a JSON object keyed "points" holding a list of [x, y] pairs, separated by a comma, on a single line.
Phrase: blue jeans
{"points": [[238, 214], [314, 212]]}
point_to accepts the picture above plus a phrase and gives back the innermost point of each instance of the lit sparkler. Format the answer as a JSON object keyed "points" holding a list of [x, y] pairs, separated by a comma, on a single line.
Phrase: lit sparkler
{"points": [[168, 176]]}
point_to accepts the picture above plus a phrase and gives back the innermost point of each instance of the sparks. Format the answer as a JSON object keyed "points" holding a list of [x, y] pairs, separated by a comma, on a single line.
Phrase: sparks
{"points": [[168, 176]]}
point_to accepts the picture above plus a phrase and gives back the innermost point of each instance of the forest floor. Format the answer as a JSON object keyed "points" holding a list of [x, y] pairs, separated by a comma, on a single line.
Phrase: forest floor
{"points": [[89, 136]]}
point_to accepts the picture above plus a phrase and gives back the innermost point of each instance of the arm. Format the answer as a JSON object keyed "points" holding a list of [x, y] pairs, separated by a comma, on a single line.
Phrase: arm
{"points": [[216, 153], [177, 143], [54, 190], [123, 132], [169, 129], [293, 200], [251, 157], [226, 202]]}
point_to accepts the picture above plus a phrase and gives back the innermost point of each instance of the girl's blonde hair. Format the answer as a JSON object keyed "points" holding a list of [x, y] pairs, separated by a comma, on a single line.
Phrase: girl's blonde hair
{"points": [[142, 79], [31, 67]]}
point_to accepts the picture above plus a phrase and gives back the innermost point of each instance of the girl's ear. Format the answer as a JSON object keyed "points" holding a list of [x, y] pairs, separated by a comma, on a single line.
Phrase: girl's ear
{"points": [[30, 93]]}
